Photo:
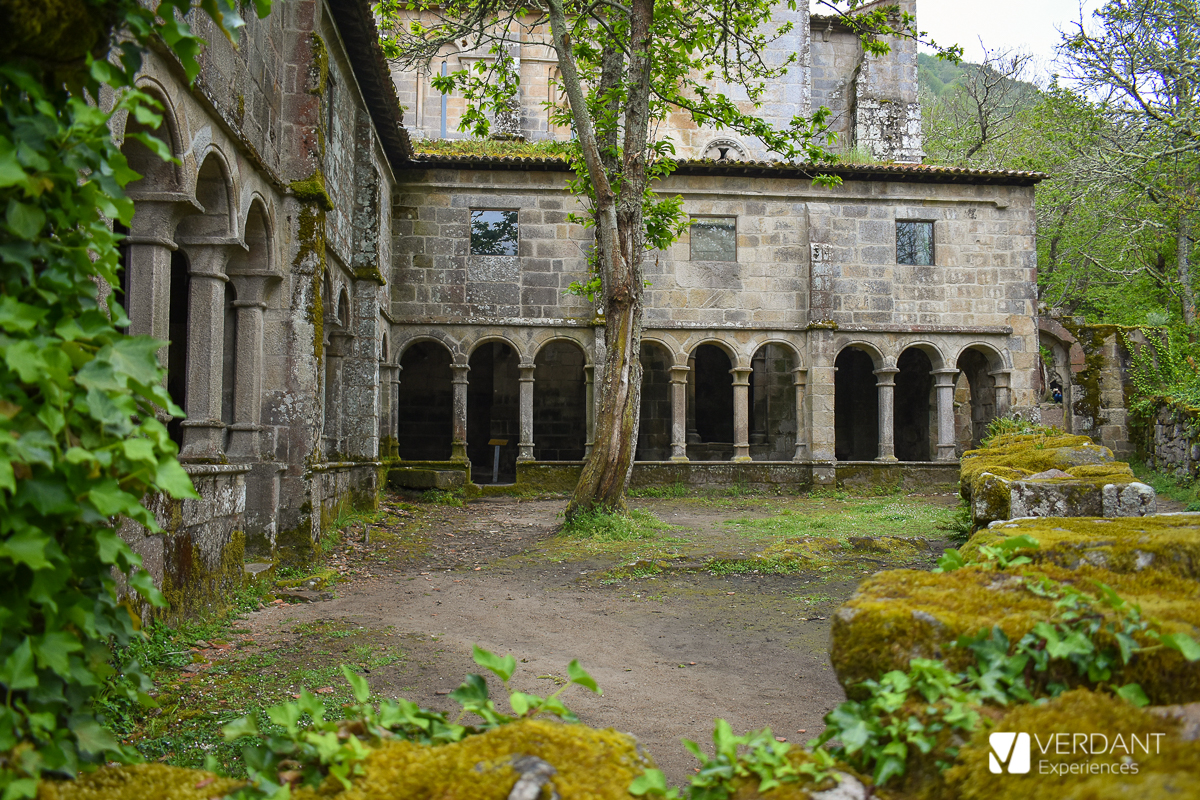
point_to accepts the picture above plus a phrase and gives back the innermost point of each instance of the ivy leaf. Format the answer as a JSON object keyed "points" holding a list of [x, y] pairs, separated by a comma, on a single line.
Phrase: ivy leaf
{"points": [[244, 726], [18, 317], [110, 545], [1185, 644], [53, 651], [110, 500], [17, 670], [26, 547], [1132, 693], [358, 684], [579, 675], [174, 480], [652, 782], [25, 220], [472, 693], [503, 668], [91, 737], [951, 560]]}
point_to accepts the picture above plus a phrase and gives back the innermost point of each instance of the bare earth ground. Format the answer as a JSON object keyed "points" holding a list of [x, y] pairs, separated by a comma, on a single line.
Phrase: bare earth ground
{"points": [[673, 638]]}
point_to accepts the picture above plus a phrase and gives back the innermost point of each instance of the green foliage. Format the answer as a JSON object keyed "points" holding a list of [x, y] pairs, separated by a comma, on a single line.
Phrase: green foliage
{"points": [[1164, 371], [1016, 425], [80, 441], [604, 527], [1088, 636], [303, 747], [960, 524], [1002, 555]]}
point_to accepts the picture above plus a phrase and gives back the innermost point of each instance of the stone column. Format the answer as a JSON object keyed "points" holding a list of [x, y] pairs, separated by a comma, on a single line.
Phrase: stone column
{"points": [[247, 383], [692, 436], [800, 377], [150, 244], [340, 344], [943, 383], [1002, 378], [589, 376], [525, 445], [394, 416], [761, 405], [458, 441], [822, 375], [741, 413], [203, 430], [886, 386], [679, 406]]}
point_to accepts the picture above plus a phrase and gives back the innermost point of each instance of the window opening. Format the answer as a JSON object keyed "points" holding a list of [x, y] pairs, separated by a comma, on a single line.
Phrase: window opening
{"points": [[494, 233], [914, 243], [713, 239]]}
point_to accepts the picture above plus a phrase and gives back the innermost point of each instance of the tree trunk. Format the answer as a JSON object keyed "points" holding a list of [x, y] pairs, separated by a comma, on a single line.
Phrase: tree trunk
{"points": [[1182, 254]]}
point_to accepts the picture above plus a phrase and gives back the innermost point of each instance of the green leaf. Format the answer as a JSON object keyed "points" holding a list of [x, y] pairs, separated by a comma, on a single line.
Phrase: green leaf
{"points": [[579, 675], [503, 668], [245, 726], [53, 651], [951, 560], [652, 782], [28, 547], [521, 702], [17, 670], [1132, 693], [18, 317], [1183, 643], [172, 479], [26, 221], [91, 737], [472, 693], [358, 684], [110, 500]]}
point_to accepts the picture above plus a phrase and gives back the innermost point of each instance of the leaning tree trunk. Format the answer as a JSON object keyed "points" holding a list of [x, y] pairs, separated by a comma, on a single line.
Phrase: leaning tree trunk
{"points": [[620, 246]]}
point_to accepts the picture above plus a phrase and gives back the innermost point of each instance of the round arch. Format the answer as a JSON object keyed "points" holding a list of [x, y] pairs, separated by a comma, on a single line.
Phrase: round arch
{"points": [[159, 174], [654, 417], [435, 337], [878, 360], [538, 345], [937, 359], [214, 191], [470, 348], [424, 400]]}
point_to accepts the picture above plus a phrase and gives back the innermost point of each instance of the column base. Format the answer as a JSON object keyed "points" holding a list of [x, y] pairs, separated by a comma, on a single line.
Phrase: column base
{"points": [[946, 452], [888, 459], [680, 459], [458, 452], [825, 475], [741, 459]]}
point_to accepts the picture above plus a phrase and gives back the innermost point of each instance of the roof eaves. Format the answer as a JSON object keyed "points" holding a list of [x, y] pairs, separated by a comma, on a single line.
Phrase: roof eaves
{"points": [[356, 24]]}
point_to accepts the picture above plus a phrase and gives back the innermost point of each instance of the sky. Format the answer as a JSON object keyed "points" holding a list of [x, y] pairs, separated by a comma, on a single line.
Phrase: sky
{"points": [[1032, 25]]}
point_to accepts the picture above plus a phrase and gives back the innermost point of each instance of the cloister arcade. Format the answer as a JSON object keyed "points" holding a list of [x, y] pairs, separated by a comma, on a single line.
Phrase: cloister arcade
{"points": [[704, 398]]}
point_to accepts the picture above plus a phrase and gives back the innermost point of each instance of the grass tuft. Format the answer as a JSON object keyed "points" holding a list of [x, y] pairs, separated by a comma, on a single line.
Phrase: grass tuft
{"points": [[601, 527]]}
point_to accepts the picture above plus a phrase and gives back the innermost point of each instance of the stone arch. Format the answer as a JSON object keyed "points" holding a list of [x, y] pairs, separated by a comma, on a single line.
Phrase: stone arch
{"points": [[493, 406], [654, 417], [856, 402], [873, 351], [560, 400], [937, 358], [710, 400], [157, 175], [771, 401], [538, 345], [977, 393], [436, 336], [469, 348], [914, 420], [425, 400], [214, 192], [731, 349]]}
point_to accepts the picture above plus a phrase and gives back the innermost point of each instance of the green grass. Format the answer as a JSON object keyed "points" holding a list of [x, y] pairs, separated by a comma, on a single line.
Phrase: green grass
{"points": [[1180, 488], [662, 492], [598, 526], [841, 518], [491, 147], [440, 497]]}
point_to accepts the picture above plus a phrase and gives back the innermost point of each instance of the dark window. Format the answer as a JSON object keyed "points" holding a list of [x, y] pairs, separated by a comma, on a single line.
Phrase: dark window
{"points": [[714, 238], [494, 233], [914, 243]]}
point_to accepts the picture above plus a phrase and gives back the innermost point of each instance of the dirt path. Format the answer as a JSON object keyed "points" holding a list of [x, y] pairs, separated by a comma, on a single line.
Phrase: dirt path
{"points": [[677, 628]]}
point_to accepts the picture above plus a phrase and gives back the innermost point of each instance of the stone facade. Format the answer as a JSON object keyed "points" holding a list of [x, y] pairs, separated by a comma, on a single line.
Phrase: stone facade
{"points": [[749, 347], [258, 256]]}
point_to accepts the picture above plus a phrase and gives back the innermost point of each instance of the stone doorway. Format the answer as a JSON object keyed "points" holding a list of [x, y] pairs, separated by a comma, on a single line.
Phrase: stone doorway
{"points": [[654, 422], [559, 403], [425, 403], [916, 407], [772, 404], [710, 405], [975, 400], [493, 411], [855, 407]]}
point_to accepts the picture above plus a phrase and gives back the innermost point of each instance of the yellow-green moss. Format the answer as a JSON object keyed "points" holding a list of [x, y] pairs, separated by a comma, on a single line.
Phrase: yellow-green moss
{"points": [[312, 190], [1173, 771], [320, 65], [140, 782], [56, 31], [1032, 454], [1126, 544], [593, 764], [904, 614], [193, 588]]}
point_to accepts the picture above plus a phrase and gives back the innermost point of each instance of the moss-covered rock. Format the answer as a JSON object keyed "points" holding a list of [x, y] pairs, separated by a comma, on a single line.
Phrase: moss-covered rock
{"points": [[1047, 475], [1171, 768], [1169, 542], [903, 614], [140, 782]]}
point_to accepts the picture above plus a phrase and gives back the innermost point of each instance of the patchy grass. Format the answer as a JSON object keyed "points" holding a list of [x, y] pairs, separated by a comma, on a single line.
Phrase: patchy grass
{"points": [[597, 526], [843, 517], [661, 492], [491, 147], [1180, 488]]}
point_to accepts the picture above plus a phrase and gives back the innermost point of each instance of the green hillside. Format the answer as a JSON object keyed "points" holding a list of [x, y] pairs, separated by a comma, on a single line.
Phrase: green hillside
{"points": [[935, 75]]}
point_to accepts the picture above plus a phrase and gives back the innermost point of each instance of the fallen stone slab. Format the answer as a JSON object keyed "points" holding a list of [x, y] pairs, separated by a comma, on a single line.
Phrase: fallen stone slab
{"points": [[903, 614], [419, 478], [1164, 542]]}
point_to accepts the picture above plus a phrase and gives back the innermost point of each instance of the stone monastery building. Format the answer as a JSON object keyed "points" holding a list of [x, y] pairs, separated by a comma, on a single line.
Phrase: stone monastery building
{"points": [[340, 307]]}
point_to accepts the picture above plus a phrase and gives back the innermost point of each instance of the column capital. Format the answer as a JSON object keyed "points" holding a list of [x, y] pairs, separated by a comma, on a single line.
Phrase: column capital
{"points": [[800, 376], [886, 376], [679, 374], [1001, 376], [741, 375], [944, 378]]}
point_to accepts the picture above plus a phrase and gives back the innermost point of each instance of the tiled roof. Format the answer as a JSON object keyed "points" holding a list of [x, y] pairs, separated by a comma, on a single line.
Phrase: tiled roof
{"points": [[905, 173], [357, 26]]}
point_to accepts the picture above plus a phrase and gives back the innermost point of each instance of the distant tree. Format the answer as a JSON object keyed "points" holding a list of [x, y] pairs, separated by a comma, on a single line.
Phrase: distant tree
{"points": [[1141, 62]]}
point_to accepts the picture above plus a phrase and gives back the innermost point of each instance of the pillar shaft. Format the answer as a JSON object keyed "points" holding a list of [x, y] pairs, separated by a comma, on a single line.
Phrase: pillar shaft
{"points": [[458, 441], [886, 386], [679, 395], [800, 376], [525, 445], [247, 382], [203, 430], [1003, 393], [589, 376], [692, 435], [741, 413], [943, 382]]}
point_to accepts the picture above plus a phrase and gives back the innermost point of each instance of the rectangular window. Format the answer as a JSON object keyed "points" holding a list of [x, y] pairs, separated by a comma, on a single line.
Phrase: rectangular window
{"points": [[714, 238], [493, 233], [914, 243]]}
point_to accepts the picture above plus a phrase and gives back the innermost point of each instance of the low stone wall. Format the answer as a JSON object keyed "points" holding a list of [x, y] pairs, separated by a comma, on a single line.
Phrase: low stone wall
{"points": [[1172, 442], [199, 558]]}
